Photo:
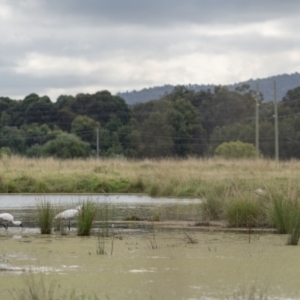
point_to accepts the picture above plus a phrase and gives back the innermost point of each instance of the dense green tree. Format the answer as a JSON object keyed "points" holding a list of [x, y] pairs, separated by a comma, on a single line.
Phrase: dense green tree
{"points": [[267, 138], [244, 133], [39, 134], [105, 141], [6, 103], [181, 137], [100, 106], [194, 129], [66, 145], [236, 150], [64, 101], [116, 147], [4, 119], [181, 123], [142, 111], [156, 137], [65, 117], [289, 138], [113, 123], [5, 151], [130, 138], [85, 128], [13, 138], [226, 107], [40, 110]]}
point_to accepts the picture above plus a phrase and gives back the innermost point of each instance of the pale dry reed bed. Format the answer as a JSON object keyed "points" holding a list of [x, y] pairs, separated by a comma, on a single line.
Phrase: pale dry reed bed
{"points": [[227, 187], [168, 177]]}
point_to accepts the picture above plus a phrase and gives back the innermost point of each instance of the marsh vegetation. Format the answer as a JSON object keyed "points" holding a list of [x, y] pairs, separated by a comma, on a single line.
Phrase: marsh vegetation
{"points": [[245, 194], [45, 214], [226, 187], [169, 177]]}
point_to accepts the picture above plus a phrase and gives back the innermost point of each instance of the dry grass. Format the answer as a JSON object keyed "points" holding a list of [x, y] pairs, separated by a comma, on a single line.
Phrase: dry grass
{"points": [[169, 177]]}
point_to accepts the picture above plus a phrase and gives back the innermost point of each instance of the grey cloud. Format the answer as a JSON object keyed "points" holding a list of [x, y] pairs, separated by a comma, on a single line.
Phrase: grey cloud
{"points": [[166, 12], [129, 36]]}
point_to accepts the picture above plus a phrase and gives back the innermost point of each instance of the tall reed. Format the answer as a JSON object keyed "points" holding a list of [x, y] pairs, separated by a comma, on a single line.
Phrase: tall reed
{"points": [[45, 215], [244, 211], [193, 177], [104, 215], [86, 218], [294, 227], [212, 207], [284, 211]]}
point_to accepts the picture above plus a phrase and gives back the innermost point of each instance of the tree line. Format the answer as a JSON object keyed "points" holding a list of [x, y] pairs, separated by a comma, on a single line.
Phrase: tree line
{"points": [[181, 123]]}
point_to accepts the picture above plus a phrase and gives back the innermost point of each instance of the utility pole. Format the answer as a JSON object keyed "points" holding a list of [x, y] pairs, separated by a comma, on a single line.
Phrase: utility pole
{"points": [[97, 130], [276, 124], [257, 123]]}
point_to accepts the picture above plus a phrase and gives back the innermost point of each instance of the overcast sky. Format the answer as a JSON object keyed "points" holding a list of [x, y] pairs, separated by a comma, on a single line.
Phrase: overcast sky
{"points": [[54, 47]]}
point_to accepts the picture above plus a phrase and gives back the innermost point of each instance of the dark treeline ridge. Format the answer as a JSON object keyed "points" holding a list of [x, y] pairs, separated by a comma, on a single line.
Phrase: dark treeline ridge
{"points": [[284, 82], [180, 124]]}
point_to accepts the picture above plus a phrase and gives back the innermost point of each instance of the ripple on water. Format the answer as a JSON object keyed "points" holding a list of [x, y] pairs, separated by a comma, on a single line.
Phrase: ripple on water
{"points": [[141, 271]]}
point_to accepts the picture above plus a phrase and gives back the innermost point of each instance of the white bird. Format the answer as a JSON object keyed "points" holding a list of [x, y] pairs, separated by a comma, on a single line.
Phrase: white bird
{"points": [[7, 218], [69, 214], [260, 191]]}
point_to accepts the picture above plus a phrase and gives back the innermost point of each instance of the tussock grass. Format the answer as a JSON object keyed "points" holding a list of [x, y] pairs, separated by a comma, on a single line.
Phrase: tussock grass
{"points": [[45, 215], [244, 211], [168, 177], [226, 186], [284, 212], [104, 214], [86, 218]]}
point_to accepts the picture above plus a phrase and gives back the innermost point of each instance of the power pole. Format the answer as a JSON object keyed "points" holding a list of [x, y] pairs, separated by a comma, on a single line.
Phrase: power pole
{"points": [[257, 123], [276, 124], [97, 130]]}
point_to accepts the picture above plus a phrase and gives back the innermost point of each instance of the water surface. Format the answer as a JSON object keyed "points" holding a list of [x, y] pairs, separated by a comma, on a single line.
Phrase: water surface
{"points": [[217, 266], [120, 207]]}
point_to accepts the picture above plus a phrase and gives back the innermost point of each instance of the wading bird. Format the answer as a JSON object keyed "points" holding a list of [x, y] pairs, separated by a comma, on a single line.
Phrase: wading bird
{"points": [[69, 214], [7, 218], [260, 191]]}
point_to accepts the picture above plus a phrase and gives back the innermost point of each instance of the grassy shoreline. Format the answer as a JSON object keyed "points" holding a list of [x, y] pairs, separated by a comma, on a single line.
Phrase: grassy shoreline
{"points": [[227, 187], [169, 177]]}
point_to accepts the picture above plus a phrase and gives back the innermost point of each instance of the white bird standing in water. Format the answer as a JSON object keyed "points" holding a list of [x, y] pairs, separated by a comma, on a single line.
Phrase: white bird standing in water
{"points": [[7, 218], [69, 214]]}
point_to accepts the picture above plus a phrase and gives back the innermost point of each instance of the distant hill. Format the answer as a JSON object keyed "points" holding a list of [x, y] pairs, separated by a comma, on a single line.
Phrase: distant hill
{"points": [[284, 83]]}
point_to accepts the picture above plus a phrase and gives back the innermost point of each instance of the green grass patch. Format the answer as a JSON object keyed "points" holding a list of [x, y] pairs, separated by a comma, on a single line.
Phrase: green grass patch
{"points": [[243, 211], [45, 215], [284, 211], [86, 218], [136, 186]]}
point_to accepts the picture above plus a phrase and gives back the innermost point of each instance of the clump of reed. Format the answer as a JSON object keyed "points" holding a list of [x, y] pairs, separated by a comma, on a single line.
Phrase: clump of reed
{"points": [[45, 215], [244, 211], [284, 212], [86, 218], [105, 230], [213, 202]]}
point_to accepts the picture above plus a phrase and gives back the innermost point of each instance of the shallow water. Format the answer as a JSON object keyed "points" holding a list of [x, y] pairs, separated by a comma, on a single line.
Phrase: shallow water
{"points": [[23, 207], [144, 262], [154, 264]]}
